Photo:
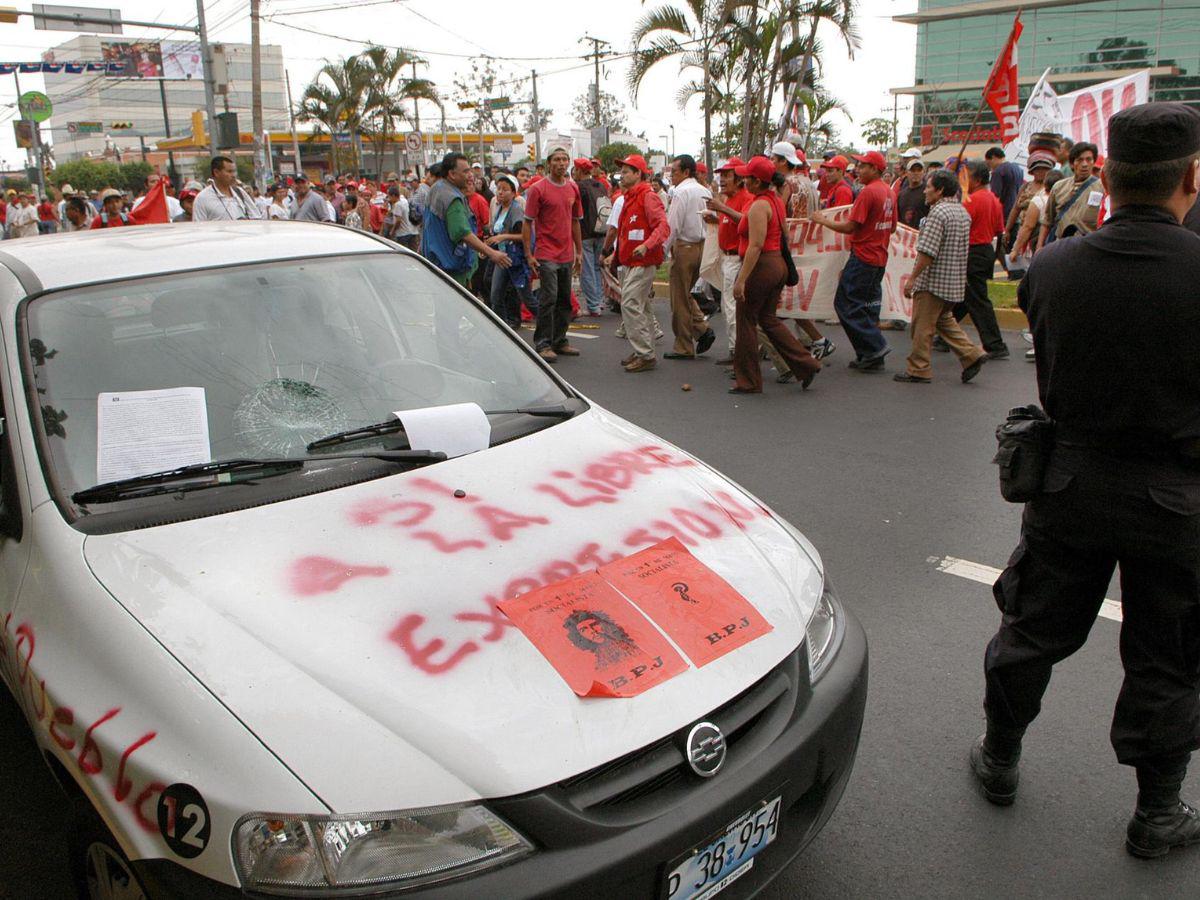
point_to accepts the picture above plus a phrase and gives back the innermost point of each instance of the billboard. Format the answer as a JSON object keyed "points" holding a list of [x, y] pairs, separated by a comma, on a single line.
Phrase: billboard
{"points": [[135, 59], [182, 60]]}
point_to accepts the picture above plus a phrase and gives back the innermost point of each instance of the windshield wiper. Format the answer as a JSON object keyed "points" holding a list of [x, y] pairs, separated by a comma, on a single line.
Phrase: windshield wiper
{"points": [[227, 471], [395, 426]]}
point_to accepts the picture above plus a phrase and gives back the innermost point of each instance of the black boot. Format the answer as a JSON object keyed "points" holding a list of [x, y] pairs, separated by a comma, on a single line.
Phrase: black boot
{"points": [[1152, 832], [997, 775]]}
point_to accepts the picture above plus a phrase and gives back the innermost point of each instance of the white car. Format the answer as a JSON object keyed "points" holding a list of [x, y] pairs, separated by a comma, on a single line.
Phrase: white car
{"points": [[254, 628]]}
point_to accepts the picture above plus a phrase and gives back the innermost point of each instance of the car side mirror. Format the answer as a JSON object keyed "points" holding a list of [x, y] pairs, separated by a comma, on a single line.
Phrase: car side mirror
{"points": [[11, 524]]}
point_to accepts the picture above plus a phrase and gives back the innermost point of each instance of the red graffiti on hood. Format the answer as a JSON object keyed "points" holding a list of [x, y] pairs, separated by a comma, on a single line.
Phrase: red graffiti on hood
{"points": [[310, 575]]}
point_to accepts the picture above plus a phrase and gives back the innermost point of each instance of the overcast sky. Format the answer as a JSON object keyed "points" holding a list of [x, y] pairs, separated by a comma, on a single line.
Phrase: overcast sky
{"points": [[435, 27]]}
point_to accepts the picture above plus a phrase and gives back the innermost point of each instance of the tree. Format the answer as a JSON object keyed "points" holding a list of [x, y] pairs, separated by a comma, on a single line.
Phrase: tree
{"points": [[612, 113], [610, 153], [877, 132], [485, 81], [819, 132], [92, 175], [336, 100], [388, 89]]}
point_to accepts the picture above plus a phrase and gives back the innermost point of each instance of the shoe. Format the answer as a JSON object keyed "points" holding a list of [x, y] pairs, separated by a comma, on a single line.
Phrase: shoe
{"points": [[678, 356], [1030, 356], [868, 365], [567, 350], [1005, 353], [973, 369], [705, 341], [642, 365], [738, 390], [658, 335], [627, 360], [940, 345], [724, 361], [785, 377], [620, 332], [823, 348], [808, 380], [594, 313], [910, 379], [1152, 832], [997, 781], [1027, 337], [548, 355]]}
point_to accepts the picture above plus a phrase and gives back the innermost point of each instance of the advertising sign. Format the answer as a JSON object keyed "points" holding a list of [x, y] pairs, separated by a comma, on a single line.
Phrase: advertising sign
{"points": [[85, 127], [137, 59], [35, 106], [181, 60]]}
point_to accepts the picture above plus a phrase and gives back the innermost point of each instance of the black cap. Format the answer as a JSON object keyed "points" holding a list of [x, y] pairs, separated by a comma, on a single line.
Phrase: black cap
{"points": [[300, 177], [1153, 132]]}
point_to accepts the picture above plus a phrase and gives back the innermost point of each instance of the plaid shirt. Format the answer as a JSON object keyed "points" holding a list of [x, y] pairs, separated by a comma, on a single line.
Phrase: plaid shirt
{"points": [[945, 236]]}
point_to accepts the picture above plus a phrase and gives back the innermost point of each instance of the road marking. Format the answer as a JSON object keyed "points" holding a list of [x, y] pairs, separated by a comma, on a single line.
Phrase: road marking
{"points": [[973, 571]]}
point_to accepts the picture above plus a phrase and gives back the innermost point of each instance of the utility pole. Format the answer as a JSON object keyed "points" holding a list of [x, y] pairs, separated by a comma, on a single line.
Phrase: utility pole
{"points": [[256, 112], [417, 120], [287, 79], [537, 124], [162, 93], [596, 42], [210, 103]]}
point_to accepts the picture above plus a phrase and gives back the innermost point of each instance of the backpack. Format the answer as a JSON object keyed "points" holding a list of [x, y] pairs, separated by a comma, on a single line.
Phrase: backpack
{"points": [[416, 213], [604, 208]]}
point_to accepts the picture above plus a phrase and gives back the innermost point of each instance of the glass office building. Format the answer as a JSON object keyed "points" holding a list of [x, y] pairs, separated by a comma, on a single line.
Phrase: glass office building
{"points": [[1082, 42]]}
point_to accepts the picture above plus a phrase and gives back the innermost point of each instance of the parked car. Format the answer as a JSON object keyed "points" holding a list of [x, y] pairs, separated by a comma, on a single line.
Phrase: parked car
{"points": [[252, 622]]}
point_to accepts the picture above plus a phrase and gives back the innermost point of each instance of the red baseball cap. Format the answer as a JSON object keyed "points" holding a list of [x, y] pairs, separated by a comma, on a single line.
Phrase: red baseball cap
{"points": [[873, 158], [635, 161], [352, 185], [731, 165], [582, 163], [759, 167], [702, 168], [837, 162]]}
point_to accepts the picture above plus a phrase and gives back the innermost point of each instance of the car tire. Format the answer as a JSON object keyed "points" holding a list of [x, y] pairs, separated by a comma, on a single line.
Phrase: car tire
{"points": [[99, 867]]}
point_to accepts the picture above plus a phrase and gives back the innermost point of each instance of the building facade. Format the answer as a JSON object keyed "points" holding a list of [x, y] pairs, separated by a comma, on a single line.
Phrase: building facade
{"points": [[1081, 42], [138, 102]]}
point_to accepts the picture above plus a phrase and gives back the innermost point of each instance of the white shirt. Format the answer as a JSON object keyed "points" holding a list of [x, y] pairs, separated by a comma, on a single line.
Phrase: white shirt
{"points": [[614, 217], [213, 206], [173, 207], [24, 221], [276, 211], [330, 215], [404, 225], [684, 214]]}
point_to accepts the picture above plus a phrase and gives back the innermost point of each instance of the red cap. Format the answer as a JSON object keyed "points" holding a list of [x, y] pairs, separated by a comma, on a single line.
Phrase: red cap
{"points": [[583, 164], [873, 158], [352, 185], [731, 165], [596, 163], [759, 167], [187, 195], [702, 168], [635, 161], [837, 162]]}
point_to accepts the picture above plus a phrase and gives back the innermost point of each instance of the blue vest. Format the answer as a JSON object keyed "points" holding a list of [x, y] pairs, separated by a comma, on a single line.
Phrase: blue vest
{"points": [[436, 244]]}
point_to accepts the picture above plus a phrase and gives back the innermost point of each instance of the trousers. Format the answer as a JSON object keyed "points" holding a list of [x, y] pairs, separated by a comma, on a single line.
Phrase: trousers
{"points": [[763, 287], [637, 282], [687, 322], [505, 298], [1098, 512], [553, 306], [981, 263], [589, 277], [857, 302], [932, 315]]}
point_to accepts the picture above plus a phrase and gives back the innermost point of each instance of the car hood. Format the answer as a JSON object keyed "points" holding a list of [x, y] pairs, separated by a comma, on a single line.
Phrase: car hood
{"points": [[353, 630]]}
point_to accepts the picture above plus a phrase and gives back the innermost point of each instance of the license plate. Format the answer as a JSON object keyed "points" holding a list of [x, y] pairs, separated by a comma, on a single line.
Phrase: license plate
{"points": [[711, 868]]}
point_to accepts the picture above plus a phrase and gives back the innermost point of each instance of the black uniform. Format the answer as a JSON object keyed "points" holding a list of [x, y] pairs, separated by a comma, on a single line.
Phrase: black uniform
{"points": [[1115, 317]]}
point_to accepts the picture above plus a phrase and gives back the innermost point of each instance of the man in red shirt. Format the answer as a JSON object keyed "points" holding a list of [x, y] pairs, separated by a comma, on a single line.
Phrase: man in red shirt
{"points": [[112, 212], [47, 217], [859, 296], [840, 193], [553, 210], [642, 230], [726, 210], [987, 224]]}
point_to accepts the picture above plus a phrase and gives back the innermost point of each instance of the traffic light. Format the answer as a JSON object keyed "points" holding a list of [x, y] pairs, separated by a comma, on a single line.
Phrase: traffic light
{"points": [[121, 126]]}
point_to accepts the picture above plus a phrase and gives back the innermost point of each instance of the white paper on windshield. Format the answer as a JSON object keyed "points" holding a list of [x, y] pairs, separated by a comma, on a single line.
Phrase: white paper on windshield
{"points": [[139, 432], [455, 430]]}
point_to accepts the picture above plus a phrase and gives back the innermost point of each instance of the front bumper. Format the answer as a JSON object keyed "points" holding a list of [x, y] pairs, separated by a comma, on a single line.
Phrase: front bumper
{"points": [[606, 835]]}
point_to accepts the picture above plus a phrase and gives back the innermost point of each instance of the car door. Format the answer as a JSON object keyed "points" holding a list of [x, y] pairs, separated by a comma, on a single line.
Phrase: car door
{"points": [[14, 515]]}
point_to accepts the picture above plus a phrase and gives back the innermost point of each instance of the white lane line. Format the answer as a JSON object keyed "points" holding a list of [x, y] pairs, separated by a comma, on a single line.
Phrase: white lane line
{"points": [[973, 571]]}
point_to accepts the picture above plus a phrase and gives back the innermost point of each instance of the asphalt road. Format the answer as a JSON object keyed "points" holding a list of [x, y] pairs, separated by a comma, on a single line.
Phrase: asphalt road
{"points": [[886, 479]]}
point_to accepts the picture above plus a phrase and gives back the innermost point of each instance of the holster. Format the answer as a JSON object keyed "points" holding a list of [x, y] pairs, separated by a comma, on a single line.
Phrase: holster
{"points": [[1025, 439]]}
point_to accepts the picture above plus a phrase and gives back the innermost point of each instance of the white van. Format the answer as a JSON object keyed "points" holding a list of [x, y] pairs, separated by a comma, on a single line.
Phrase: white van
{"points": [[254, 628]]}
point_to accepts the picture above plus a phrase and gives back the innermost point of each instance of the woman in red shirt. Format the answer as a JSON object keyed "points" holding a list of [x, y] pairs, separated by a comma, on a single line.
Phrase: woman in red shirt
{"points": [[760, 283]]}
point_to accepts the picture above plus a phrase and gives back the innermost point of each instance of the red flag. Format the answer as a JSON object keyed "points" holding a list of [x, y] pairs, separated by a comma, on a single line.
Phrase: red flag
{"points": [[1001, 90], [153, 208]]}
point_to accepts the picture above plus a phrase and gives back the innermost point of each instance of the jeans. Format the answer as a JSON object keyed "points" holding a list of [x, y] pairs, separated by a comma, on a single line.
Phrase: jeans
{"points": [[857, 303], [554, 306], [589, 279], [505, 298]]}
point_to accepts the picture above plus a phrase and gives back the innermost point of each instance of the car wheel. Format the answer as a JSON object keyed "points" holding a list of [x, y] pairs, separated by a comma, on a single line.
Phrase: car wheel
{"points": [[99, 866]]}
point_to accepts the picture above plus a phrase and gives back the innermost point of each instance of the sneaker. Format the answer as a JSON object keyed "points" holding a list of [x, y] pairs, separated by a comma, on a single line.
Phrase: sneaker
{"points": [[620, 332], [642, 365], [1027, 337], [823, 348], [1030, 356], [1152, 832], [997, 781], [785, 377], [567, 350], [658, 334], [548, 355]]}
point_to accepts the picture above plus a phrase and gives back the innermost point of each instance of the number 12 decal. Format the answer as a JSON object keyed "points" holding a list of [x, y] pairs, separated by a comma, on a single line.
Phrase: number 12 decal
{"points": [[183, 820]]}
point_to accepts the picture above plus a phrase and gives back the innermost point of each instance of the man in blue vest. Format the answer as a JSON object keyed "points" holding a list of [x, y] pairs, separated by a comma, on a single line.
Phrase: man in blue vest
{"points": [[448, 239]]}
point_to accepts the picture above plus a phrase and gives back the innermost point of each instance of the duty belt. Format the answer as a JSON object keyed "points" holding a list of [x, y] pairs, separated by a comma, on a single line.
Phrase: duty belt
{"points": [[1130, 444]]}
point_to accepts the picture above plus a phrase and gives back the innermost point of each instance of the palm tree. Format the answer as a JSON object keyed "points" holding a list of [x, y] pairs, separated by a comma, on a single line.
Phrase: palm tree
{"points": [[817, 105], [321, 106], [840, 14], [383, 105], [339, 94]]}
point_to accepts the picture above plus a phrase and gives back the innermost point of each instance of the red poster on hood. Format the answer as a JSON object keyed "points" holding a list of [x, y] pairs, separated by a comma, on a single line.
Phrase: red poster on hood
{"points": [[595, 638], [696, 607]]}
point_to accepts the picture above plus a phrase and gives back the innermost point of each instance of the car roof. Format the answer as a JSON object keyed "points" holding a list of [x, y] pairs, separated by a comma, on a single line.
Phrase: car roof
{"points": [[52, 262]]}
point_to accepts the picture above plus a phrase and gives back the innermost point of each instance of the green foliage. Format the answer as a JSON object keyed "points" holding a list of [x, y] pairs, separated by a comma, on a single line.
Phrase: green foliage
{"points": [[202, 171], [877, 132], [612, 112], [91, 175], [16, 183], [610, 153]]}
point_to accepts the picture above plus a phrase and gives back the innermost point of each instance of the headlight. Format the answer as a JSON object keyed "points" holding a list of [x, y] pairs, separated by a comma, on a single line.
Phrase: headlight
{"points": [[824, 632], [310, 855]]}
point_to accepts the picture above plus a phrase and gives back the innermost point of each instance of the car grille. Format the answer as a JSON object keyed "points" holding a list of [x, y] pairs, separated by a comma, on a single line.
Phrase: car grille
{"points": [[649, 780]]}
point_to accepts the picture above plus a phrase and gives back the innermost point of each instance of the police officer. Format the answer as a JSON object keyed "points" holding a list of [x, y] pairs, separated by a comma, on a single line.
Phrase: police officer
{"points": [[1122, 485]]}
